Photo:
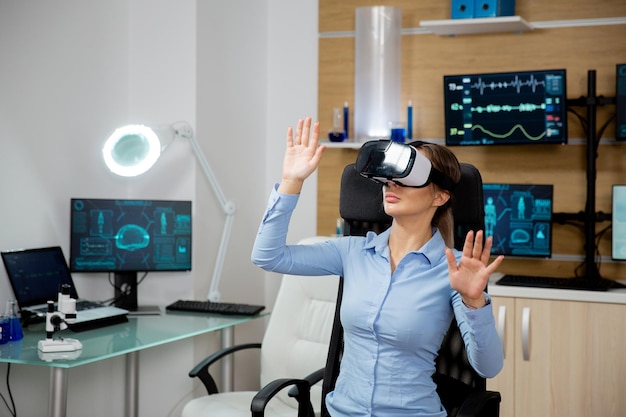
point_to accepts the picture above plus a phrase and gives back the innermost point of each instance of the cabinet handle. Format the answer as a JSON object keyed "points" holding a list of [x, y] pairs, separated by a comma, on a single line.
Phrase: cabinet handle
{"points": [[526, 333], [501, 327]]}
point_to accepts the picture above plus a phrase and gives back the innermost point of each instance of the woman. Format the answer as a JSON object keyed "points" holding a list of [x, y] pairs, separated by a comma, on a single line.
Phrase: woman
{"points": [[401, 288]]}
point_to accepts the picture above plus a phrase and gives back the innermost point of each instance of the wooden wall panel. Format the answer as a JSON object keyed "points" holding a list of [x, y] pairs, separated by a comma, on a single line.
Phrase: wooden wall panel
{"points": [[338, 16], [427, 58]]}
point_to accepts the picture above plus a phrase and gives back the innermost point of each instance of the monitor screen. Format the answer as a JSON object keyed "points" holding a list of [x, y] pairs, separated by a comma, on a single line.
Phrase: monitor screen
{"points": [[130, 235], [519, 217], [506, 108], [618, 223]]}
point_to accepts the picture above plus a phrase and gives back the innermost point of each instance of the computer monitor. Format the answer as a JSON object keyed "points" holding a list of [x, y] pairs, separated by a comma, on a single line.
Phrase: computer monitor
{"points": [[618, 223], [523, 107], [519, 218], [125, 237]]}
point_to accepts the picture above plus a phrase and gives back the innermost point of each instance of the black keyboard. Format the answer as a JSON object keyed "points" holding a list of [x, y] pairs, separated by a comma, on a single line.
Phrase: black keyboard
{"points": [[213, 307], [559, 283]]}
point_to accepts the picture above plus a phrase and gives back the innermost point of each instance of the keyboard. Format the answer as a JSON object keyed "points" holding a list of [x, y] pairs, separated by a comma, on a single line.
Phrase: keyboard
{"points": [[559, 283], [215, 307]]}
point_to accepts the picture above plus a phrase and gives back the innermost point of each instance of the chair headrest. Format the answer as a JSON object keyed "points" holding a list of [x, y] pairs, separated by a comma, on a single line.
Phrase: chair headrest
{"points": [[361, 199]]}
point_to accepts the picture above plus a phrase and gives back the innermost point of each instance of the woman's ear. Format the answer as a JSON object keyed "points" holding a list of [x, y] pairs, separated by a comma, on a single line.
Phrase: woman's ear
{"points": [[441, 197]]}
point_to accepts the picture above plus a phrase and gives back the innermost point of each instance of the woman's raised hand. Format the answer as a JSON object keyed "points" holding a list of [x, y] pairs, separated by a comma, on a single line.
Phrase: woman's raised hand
{"points": [[302, 156], [470, 276]]}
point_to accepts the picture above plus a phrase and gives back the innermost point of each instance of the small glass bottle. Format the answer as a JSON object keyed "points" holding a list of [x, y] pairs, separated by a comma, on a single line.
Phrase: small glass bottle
{"points": [[4, 330], [15, 327], [337, 133]]}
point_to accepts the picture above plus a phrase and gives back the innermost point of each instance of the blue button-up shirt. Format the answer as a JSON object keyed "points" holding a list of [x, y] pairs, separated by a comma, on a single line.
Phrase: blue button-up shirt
{"points": [[393, 324]]}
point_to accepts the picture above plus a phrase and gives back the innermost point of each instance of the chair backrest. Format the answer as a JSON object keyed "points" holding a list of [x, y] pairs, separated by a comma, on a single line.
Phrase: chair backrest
{"points": [[361, 207], [299, 327]]}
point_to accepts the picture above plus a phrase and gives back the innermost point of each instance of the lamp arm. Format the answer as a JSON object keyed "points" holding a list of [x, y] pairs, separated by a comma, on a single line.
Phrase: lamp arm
{"points": [[228, 207], [214, 292]]}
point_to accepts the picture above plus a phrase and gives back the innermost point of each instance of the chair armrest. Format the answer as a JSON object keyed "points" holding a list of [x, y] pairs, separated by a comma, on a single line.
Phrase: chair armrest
{"points": [[260, 400], [201, 370], [312, 378], [483, 404]]}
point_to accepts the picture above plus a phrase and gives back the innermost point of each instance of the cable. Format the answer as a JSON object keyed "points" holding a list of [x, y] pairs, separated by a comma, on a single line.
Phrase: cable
{"points": [[123, 292], [140, 280], [601, 131], [599, 237], [581, 119], [11, 407]]}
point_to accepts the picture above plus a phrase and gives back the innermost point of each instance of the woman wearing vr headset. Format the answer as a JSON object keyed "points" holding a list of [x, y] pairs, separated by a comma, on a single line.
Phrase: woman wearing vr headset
{"points": [[402, 287]]}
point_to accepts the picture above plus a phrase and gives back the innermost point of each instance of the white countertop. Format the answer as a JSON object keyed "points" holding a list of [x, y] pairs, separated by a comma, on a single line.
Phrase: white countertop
{"points": [[617, 296]]}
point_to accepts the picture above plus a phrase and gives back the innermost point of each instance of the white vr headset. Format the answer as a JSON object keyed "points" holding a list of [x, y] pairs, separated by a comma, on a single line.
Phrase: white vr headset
{"points": [[386, 161]]}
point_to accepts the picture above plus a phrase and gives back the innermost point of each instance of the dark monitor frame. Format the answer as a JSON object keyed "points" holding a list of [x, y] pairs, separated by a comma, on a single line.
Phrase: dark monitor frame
{"points": [[507, 108]]}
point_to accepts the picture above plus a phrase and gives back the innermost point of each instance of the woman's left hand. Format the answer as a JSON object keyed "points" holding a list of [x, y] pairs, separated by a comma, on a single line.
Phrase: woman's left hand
{"points": [[470, 276]]}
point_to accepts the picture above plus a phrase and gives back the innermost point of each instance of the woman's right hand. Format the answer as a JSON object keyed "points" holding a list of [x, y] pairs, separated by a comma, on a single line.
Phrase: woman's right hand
{"points": [[302, 156]]}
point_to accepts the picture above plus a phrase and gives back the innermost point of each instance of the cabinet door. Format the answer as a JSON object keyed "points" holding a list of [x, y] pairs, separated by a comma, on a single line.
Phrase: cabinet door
{"points": [[504, 312], [569, 359]]}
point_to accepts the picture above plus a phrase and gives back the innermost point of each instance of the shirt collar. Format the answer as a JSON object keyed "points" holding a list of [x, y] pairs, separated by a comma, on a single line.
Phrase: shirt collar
{"points": [[433, 250]]}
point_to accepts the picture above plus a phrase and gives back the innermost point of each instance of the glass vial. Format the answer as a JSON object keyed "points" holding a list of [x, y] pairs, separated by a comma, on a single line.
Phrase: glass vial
{"points": [[337, 133], [14, 325]]}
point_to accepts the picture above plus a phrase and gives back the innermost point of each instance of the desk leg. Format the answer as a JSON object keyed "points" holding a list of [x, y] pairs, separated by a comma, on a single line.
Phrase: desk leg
{"points": [[227, 336], [57, 397], [132, 385]]}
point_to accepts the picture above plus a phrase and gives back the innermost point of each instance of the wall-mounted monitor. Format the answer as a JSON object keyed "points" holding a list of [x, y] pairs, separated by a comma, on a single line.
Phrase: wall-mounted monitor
{"points": [[519, 218], [618, 223], [524, 107]]}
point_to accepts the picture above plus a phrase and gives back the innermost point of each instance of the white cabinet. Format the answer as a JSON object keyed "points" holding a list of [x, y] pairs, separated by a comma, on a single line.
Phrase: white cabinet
{"points": [[562, 357]]}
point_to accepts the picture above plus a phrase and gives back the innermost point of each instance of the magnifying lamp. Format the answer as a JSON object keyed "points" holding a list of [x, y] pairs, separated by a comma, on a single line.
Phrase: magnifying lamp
{"points": [[132, 150]]}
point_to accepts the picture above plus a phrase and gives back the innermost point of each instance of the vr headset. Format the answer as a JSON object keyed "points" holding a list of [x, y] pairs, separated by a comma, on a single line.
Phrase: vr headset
{"points": [[386, 161]]}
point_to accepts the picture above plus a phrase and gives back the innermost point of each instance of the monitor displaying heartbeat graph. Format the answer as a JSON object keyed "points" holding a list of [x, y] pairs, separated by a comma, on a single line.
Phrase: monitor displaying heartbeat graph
{"points": [[521, 107]]}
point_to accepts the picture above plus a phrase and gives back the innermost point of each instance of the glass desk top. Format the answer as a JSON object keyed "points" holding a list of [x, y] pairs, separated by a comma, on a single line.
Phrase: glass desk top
{"points": [[140, 332]]}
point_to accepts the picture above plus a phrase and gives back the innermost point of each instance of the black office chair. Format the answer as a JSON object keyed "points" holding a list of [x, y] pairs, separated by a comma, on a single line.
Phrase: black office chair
{"points": [[462, 391]]}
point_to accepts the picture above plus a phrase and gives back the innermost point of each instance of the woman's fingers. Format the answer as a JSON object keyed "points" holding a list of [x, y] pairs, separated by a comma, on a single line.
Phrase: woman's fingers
{"points": [[306, 130], [469, 244], [289, 136], [298, 138]]}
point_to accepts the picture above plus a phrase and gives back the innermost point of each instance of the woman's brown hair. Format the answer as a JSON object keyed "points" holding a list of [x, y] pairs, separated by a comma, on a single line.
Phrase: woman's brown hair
{"points": [[445, 161]]}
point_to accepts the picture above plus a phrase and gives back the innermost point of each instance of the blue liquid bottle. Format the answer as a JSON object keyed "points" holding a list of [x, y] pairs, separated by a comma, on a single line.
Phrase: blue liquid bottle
{"points": [[14, 325], [4, 330]]}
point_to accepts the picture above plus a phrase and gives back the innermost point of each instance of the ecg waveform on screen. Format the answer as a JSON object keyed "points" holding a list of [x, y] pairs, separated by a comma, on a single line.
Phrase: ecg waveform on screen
{"points": [[512, 108], [497, 108], [515, 83], [510, 132]]}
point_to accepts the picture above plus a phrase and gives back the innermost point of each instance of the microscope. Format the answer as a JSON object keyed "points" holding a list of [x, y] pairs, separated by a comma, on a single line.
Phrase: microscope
{"points": [[57, 320]]}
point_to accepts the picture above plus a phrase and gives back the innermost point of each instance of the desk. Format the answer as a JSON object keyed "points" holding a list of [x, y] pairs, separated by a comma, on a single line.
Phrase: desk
{"points": [[141, 332]]}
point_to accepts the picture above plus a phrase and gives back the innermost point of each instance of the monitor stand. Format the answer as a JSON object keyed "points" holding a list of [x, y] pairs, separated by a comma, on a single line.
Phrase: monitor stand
{"points": [[126, 295]]}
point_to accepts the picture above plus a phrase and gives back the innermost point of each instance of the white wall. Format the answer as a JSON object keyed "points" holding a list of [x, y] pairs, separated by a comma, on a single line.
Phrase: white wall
{"points": [[72, 71], [257, 74]]}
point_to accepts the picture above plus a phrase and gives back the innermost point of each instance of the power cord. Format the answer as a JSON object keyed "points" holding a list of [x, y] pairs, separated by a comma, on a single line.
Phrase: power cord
{"points": [[11, 407], [122, 291]]}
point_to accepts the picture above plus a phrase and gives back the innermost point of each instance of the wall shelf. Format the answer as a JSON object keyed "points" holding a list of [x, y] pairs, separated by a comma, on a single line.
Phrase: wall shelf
{"points": [[346, 144], [473, 26]]}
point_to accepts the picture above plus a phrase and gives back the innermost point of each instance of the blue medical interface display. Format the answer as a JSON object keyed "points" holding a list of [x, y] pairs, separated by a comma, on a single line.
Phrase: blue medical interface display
{"points": [[519, 217], [506, 108], [130, 235]]}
